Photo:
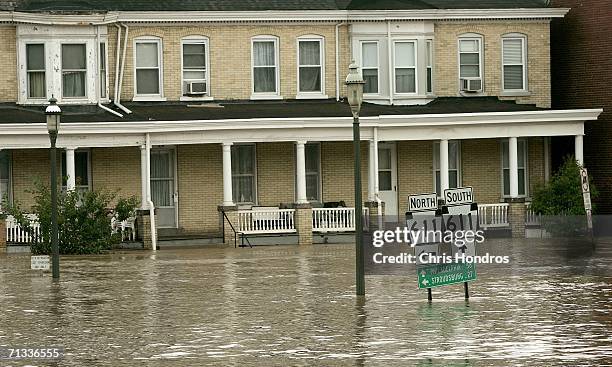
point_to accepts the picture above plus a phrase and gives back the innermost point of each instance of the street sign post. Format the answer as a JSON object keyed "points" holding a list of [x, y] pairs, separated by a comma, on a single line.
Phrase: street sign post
{"points": [[586, 196], [41, 262], [445, 274]]}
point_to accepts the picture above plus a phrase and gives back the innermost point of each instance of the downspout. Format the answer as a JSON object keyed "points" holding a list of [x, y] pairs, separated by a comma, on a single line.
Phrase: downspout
{"points": [[390, 61], [338, 60], [117, 59], [118, 91], [97, 73], [149, 201], [376, 189]]}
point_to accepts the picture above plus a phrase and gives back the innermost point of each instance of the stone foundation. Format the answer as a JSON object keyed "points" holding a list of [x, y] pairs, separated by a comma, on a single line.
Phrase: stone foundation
{"points": [[516, 217], [371, 222], [2, 235], [143, 228], [303, 223]]}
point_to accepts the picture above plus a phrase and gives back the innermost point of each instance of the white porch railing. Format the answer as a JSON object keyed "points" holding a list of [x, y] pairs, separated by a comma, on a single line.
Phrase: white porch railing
{"points": [[493, 215], [335, 219], [531, 218], [16, 234], [265, 221]]}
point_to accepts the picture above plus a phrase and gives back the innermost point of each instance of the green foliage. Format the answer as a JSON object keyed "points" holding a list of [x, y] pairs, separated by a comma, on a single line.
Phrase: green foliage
{"points": [[126, 207], [84, 220], [561, 203]]}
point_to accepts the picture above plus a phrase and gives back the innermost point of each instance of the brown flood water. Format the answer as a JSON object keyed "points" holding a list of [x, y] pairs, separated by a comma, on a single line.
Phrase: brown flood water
{"points": [[295, 306]]}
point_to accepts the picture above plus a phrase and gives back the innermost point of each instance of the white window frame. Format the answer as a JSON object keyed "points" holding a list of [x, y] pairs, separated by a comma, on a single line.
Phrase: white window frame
{"points": [[523, 40], [436, 168], [9, 179], [480, 40], [160, 66], [397, 66], [254, 174], [196, 40], [89, 170], [526, 167], [266, 95], [105, 56], [86, 86], [429, 70], [377, 68], [27, 71], [313, 94]]}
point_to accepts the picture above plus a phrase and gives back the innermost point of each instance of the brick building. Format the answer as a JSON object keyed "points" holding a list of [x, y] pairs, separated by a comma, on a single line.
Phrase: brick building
{"points": [[581, 39], [195, 106]]}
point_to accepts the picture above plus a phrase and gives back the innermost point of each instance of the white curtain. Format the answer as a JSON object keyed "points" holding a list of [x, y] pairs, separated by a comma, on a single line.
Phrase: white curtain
{"points": [[73, 84], [147, 68], [264, 62], [162, 180], [310, 69], [243, 173], [36, 84], [73, 70], [35, 63], [405, 81]]}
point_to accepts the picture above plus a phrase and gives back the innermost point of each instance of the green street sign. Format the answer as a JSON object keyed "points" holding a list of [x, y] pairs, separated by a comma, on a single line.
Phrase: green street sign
{"points": [[430, 276]]}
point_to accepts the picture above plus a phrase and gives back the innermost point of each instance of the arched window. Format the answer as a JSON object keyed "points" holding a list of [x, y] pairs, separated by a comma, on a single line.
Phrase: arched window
{"points": [[514, 60], [311, 65], [195, 67], [470, 62], [264, 61], [148, 71]]}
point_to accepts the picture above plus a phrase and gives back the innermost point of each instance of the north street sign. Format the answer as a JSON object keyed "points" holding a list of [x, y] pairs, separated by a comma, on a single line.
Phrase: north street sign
{"points": [[422, 202], [431, 276]]}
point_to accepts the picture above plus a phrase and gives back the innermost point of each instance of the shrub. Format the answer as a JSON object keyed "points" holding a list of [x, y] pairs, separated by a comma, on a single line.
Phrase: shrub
{"points": [[84, 220], [560, 202]]}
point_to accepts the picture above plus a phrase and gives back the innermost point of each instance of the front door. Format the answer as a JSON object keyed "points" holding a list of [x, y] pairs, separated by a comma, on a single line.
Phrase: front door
{"points": [[163, 186], [387, 177]]}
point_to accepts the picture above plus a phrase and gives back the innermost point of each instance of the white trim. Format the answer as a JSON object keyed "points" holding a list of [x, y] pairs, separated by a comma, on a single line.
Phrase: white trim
{"points": [[199, 40], [322, 61], [415, 68], [525, 168], [266, 95], [429, 46], [284, 15], [160, 69], [85, 79], [523, 38]]}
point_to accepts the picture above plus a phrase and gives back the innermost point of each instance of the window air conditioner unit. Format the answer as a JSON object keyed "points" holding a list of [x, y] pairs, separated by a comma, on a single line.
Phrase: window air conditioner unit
{"points": [[471, 85], [196, 87]]}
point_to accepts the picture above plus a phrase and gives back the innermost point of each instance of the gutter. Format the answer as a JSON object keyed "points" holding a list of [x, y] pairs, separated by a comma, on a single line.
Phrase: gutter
{"points": [[390, 63], [98, 94], [119, 74], [338, 60]]}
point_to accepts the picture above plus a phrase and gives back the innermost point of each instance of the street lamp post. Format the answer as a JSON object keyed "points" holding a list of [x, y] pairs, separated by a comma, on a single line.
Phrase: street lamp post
{"points": [[354, 84], [53, 113]]}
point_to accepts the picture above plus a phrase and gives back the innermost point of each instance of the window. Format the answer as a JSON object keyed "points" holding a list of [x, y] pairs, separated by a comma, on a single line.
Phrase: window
{"points": [[313, 171], [148, 65], [265, 66], [429, 63], [243, 173], [369, 66], [35, 65], [514, 75], [102, 62], [470, 58], [310, 65], [5, 177], [81, 170], [385, 170], [522, 167], [454, 165], [405, 66], [195, 67], [74, 70]]}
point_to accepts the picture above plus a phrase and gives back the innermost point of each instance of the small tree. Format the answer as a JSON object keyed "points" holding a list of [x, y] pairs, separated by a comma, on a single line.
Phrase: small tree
{"points": [[561, 201], [84, 220]]}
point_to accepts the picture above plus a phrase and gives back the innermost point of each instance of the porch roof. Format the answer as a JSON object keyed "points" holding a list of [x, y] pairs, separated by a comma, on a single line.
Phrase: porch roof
{"points": [[146, 112]]}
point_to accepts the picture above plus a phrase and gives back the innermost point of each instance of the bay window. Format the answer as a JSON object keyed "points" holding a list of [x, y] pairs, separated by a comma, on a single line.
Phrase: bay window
{"points": [[513, 56], [522, 167], [454, 165], [148, 76], [405, 66], [195, 67], [310, 65], [244, 173], [74, 70], [265, 65], [36, 74], [369, 66]]}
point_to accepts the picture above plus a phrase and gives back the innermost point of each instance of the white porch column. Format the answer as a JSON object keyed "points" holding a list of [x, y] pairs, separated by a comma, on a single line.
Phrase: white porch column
{"points": [[300, 172], [579, 149], [143, 177], [513, 160], [443, 165], [371, 172], [227, 175], [70, 170]]}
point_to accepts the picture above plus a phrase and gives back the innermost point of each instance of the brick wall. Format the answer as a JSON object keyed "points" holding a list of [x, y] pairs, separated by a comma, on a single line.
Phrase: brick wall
{"points": [[116, 170], [337, 171], [414, 170], [275, 173], [8, 60], [538, 54], [581, 50], [481, 164], [29, 166], [230, 57]]}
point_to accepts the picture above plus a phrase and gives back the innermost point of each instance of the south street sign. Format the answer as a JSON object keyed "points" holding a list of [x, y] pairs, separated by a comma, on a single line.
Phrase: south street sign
{"points": [[438, 275], [458, 196]]}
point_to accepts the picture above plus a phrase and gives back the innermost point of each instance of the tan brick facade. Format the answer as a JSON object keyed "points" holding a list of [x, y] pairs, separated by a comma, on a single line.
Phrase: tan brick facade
{"points": [[8, 60], [116, 170], [538, 56]]}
